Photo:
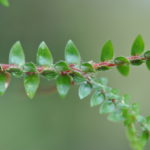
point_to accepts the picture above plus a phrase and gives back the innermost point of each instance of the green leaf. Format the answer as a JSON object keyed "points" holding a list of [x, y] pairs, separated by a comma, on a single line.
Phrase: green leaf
{"points": [[4, 82], [138, 46], [61, 66], [111, 95], [17, 73], [107, 107], [148, 64], [135, 108], [126, 98], [85, 90], [107, 51], [136, 62], [148, 122], [144, 138], [103, 68], [31, 83], [77, 77], [44, 56], [4, 2], [49, 74], [63, 84], [97, 98], [29, 67], [102, 80], [122, 65], [147, 54], [16, 55], [116, 116], [72, 54], [86, 67]]}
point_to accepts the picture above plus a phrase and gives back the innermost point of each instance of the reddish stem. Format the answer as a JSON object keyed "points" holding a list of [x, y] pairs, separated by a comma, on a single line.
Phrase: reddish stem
{"points": [[40, 69]]}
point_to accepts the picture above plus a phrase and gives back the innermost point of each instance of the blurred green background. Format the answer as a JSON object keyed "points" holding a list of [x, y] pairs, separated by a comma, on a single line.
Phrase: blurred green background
{"points": [[48, 122]]}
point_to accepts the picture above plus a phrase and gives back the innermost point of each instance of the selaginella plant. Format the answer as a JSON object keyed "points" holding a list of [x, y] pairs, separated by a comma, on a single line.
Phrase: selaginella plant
{"points": [[74, 71]]}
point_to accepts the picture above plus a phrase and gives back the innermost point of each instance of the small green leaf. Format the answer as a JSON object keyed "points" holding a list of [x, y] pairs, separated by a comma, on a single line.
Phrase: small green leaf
{"points": [[138, 46], [61, 66], [148, 64], [44, 56], [126, 98], [148, 122], [4, 2], [107, 51], [135, 108], [31, 83], [17, 73], [4, 82], [122, 65], [77, 77], [107, 107], [63, 84], [140, 119], [136, 62], [16, 55], [144, 138], [102, 80], [29, 67], [85, 90], [86, 67], [97, 98], [72, 54], [147, 54], [103, 68], [116, 116], [49, 74]]}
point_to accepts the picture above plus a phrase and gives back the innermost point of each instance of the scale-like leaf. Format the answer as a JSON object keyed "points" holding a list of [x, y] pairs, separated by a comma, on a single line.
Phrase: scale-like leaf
{"points": [[44, 56], [107, 107], [85, 90], [72, 54], [31, 83], [61, 66], [107, 51], [29, 67], [122, 65], [87, 67], [63, 84], [97, 98], [138, 46], [49, 74], [16, 55]]}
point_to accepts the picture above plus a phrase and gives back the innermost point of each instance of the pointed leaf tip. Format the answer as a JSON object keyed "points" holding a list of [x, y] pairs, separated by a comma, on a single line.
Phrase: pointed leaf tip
{"points": [[107, 107], [72, 54], [44, 56], [137, 46], [107, 51], [31, 84], [97, 98], [16, 55], [84, 90], [63, 85]]}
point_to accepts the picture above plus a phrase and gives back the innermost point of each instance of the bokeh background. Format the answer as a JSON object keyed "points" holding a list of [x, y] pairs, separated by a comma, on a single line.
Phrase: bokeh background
{"points": [[48, 122]]}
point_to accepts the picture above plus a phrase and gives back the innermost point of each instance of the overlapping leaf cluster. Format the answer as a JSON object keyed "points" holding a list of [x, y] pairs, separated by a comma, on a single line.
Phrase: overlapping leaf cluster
{"points": [[73, 70]]}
